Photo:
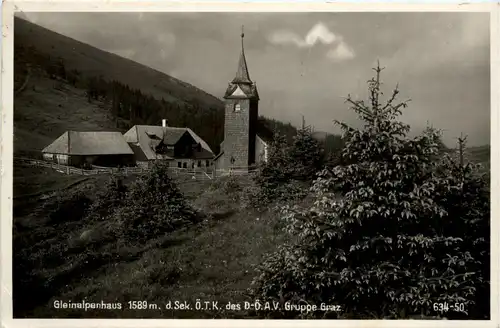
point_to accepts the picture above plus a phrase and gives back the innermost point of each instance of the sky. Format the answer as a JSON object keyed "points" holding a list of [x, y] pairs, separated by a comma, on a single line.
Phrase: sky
{"points": [[307, 63]]}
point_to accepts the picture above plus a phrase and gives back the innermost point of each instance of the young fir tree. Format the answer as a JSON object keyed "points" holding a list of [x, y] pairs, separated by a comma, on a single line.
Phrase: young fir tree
{"points": [[395, 231], [276, 170], [301, 160], [110, 197], [306, 154], [154, 206]]}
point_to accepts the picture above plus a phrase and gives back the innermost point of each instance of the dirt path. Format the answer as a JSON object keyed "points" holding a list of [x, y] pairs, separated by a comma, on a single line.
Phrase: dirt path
{"points": [[72, 184], [25, 83]]}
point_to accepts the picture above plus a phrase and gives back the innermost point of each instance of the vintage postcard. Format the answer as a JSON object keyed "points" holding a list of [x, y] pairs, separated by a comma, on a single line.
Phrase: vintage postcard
{"points": [[249, 161]]}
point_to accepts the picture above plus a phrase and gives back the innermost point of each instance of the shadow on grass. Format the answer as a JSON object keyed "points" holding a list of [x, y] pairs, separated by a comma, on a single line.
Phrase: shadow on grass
{"points": [[221, 216]]}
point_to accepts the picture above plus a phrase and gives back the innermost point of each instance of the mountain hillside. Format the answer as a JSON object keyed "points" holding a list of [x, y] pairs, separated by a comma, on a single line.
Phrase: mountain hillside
{"points": [[62, 84], [46, 108], [91, 61]]}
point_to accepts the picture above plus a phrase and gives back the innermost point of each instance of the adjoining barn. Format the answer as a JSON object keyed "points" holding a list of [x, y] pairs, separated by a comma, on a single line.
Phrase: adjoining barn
{"points": [[181, 147], [102, 148]]}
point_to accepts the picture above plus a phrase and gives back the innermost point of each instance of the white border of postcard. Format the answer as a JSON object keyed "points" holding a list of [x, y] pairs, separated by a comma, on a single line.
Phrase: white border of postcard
{"points": [[10, 7]]}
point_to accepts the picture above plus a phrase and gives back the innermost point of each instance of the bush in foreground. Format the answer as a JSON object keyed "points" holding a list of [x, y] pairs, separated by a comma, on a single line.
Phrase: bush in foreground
{"points": [[392, 232], [153, 206], [110, 197]]}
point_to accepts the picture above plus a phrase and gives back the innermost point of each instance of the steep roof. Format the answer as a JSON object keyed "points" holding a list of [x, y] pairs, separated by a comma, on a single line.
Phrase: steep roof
{"points": [[249, 91], [219, 155], [242, 75], [242, 86], [264, 133], [147, 135], [89, 143], [138, 153]]}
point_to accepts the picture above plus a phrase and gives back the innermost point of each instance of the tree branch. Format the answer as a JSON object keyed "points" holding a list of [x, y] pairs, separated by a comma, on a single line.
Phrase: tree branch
{"points": [[360, 106], [393, 97]]}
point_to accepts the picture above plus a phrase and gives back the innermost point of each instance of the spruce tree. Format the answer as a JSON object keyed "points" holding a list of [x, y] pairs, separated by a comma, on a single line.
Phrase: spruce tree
{"points": [[276, 169], [107, 199], [154, 206], [306, 155], [394, 231]]}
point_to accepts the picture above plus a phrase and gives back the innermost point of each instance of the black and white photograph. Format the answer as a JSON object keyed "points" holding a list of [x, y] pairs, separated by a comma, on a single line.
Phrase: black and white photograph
{"points": [[251, 165]]}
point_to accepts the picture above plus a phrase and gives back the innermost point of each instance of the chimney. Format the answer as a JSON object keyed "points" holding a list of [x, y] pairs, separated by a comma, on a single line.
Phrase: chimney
{"points": [[164, 124]]}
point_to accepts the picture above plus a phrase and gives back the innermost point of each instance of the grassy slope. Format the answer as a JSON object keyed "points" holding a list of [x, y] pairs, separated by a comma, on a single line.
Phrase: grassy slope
{"points": [[47, 108], [216, 258], [94, 62], [212, 261]]}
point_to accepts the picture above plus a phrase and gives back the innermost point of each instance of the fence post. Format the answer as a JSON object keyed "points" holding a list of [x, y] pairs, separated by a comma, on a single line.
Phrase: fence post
{"points": [[67, 170]]}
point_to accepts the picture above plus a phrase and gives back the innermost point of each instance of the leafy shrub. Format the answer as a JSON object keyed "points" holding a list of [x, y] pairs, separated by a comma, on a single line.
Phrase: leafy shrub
{"points": [[230, 185], [154, 206], [113, 195], [391, 232], [255, 197]]}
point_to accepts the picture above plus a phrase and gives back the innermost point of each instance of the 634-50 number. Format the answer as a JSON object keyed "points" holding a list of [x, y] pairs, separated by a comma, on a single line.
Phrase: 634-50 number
{"points": [[445, 307]]}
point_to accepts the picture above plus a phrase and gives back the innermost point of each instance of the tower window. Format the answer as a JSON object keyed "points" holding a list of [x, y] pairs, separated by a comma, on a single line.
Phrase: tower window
{"points": [[237, 107]]}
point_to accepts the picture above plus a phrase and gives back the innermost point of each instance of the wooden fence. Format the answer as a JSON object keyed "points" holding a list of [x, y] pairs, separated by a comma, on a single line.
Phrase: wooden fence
{"points": [[234, 171], [176, 171], [197, 174]]}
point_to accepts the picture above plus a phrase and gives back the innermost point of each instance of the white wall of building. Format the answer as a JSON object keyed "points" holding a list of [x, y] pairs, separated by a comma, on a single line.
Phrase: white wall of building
{"points": [[261, 150]]}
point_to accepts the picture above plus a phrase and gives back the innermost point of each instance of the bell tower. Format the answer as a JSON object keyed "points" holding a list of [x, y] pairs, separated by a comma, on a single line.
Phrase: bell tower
{"points": [[241, 115]]}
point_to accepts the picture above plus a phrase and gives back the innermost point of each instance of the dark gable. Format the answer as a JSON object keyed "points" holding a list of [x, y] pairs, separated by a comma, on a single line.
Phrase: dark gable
{"points": [[264, 132], [185, 146]]}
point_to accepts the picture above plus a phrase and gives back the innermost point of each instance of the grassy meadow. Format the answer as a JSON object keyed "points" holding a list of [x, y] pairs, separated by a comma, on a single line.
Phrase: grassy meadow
{"points": [[74, 260]]}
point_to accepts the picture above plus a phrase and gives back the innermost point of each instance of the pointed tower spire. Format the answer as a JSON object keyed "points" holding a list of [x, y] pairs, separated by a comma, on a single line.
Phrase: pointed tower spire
{"points": [[242, 75]]}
